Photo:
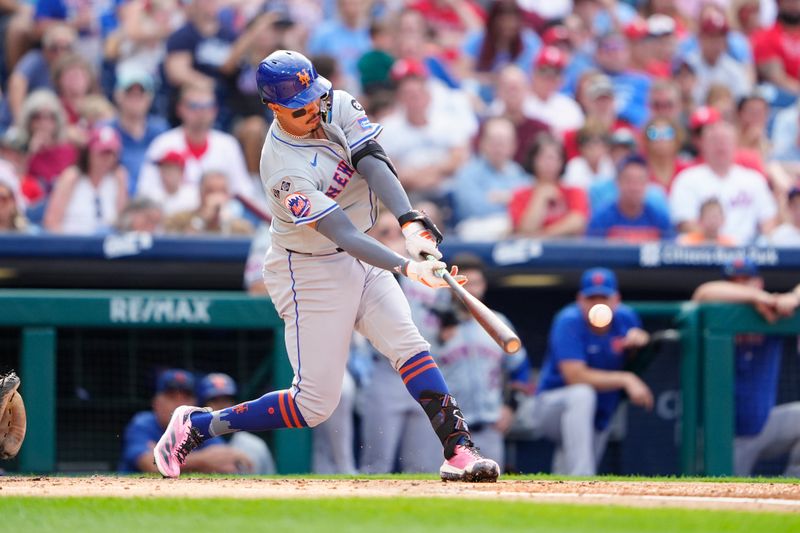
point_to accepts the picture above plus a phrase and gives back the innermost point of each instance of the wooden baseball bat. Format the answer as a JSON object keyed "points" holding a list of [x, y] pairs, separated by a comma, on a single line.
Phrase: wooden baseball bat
{"points": [[496, 328], [253, 208]]}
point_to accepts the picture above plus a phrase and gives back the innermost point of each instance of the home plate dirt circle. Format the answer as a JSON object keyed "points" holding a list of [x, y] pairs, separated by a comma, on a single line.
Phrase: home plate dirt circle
{"points": [[773, 497]]}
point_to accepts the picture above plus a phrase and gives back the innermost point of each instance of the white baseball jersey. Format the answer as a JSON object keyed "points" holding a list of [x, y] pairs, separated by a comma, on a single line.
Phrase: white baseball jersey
{"points": [[743, 193], [305, 178], [223, 153]]}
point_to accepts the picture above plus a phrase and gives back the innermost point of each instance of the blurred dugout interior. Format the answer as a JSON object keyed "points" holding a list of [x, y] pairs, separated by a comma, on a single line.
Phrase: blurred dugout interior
{"points": [[105, 376]]}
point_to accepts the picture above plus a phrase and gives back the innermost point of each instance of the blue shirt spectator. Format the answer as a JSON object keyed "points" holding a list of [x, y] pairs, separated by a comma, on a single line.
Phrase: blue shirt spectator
{"points": [[603, 193], [480, 187], [738, 47], [136, 127], [93, 20], [346, 37], [630, 96], [201, 48], [785, 130], [650, 224], [631, 89], [483, 186], [630, 217]]}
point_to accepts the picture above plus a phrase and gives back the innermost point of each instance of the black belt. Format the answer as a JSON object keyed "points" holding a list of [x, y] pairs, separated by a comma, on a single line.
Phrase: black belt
{"points": [[338, 250]]}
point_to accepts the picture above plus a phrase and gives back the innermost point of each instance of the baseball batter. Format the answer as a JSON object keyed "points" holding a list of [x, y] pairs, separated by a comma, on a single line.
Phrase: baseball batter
{"points": [[324, 174]]}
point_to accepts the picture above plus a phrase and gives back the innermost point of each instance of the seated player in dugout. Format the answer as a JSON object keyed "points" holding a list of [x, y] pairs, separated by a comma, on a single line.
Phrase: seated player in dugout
{"points": [[324, 174], [174, 387], [763, 430], [582, 379]]}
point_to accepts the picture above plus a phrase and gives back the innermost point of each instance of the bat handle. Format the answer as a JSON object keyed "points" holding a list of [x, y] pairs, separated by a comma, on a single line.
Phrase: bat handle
{"points": [[442, 272]]}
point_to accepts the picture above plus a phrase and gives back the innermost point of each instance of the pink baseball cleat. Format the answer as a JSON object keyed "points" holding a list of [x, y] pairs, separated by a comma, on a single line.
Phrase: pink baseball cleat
{"points": [[178, 440], [469, 465]]}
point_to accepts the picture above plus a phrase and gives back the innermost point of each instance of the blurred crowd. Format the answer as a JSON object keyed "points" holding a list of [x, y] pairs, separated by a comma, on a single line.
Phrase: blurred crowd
{"points": [[631, 120]]}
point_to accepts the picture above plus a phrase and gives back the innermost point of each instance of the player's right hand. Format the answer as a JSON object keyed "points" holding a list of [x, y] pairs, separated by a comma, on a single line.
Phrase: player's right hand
{"points": [[430, 273]]}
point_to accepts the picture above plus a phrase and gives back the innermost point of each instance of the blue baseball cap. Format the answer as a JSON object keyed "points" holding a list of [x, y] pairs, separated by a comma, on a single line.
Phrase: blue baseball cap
{"points": [[598, 282], [214, 385], [175, 379], [740, 268]]}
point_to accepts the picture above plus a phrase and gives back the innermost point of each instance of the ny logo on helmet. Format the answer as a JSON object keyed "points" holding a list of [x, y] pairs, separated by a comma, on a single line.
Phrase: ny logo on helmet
{"points": [[304, 78]]}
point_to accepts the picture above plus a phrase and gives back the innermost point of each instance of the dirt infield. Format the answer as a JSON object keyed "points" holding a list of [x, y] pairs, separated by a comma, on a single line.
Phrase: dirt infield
{"points": [[784, 497]]}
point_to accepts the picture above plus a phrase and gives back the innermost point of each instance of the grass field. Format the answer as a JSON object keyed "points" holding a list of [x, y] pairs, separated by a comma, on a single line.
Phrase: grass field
{"points": [[455, 507], [364, 515]]}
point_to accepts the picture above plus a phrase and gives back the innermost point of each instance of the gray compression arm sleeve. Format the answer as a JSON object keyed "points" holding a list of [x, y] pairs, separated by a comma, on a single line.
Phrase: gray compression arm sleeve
{"points": [[338, 228], [382, 180]]}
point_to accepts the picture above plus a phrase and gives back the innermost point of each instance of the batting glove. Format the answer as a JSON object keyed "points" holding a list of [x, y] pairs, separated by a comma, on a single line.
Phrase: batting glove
{"points": [[420, 242], [430, 273]]}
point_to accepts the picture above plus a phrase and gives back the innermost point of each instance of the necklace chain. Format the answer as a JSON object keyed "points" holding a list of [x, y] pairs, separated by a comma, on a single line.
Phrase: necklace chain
{"points": [[292, 135]]}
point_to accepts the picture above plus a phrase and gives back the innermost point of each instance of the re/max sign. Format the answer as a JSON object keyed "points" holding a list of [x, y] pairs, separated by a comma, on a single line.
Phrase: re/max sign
{"points": [[138, 310]]}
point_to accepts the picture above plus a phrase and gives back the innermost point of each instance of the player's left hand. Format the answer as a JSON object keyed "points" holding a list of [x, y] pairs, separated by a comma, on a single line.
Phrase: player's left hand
{"points": [[635, 338], [420, 242]]}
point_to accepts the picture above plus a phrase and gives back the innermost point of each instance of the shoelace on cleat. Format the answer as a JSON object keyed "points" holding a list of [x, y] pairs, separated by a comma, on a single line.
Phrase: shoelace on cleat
{"points": [[193, 439], [472, 450]]}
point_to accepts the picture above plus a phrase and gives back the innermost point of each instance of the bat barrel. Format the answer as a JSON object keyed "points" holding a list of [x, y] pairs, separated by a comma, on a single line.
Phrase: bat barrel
{"points": [[496, 328]]}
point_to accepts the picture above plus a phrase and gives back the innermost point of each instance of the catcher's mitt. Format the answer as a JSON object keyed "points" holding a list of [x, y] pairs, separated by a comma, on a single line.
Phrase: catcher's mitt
{"points": [[12, 416]]}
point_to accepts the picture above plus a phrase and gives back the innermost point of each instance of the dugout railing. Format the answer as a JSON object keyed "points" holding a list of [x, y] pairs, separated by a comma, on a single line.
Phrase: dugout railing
{"points": [[715, 326]]}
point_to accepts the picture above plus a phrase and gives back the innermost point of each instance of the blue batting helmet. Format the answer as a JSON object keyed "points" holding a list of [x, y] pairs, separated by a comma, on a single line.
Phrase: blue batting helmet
{"points": [[289, 79]]}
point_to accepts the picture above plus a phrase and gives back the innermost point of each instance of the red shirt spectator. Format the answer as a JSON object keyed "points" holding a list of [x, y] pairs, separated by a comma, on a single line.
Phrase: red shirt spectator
{"points": [[779, 45], [444, 15], [569, 199], [548, 208]]}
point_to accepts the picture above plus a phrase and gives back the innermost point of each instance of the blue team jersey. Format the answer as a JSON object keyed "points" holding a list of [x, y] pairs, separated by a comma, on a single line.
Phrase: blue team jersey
{"points": [[758, 360], [571, 339], [140, 432], [630, 96], [651, 224]]}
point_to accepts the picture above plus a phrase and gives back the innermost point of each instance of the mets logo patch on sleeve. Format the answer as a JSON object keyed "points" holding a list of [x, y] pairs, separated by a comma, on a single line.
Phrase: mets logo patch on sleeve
{"points": [[298, 204]]}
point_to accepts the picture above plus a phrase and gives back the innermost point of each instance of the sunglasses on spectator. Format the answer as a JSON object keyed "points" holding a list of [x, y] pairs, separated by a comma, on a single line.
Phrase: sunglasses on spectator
{"points": [[6, 197], [201, 106], [660, 133], [43, 115], [662, 104], [60, 47]]}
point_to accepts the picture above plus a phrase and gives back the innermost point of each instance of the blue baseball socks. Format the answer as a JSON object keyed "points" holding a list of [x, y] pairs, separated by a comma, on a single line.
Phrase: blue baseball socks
{"points": [[274, 410]]}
